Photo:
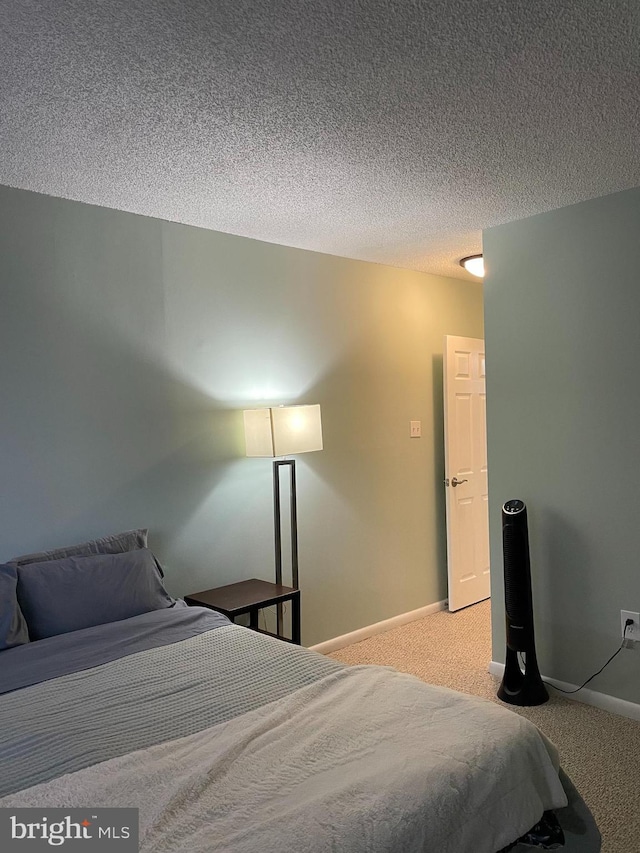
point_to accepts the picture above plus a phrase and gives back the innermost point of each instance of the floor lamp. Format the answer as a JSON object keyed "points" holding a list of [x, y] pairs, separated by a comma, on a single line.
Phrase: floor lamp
{"points": [[276, 432]]}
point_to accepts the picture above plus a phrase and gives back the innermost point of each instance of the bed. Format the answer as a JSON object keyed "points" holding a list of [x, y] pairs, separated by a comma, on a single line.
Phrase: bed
{"points": [[229, 740]]}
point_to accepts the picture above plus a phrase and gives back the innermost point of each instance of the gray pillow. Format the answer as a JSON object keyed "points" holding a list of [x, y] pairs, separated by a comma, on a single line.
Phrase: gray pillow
{"points": [[13, 628], [130, 540], [59, 596]]}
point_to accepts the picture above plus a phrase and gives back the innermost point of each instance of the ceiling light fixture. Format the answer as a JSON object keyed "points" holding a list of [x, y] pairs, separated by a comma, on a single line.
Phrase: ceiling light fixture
{"points": [[474, 264]]}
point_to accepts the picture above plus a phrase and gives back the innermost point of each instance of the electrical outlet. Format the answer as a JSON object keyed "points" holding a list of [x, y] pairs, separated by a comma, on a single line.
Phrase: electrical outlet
{"points": [[633, 631]]}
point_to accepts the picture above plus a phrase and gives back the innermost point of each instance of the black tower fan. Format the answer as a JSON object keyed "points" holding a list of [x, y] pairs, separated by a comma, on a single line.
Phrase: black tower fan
{"points": [[519, 687]]}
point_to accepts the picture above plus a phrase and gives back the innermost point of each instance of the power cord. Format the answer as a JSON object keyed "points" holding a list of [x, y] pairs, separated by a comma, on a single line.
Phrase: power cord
{"points": [[627, 625]]}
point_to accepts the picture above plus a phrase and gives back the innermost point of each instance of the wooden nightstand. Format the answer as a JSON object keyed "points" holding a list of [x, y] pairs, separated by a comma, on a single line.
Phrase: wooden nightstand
{"points": [[250, 597]]}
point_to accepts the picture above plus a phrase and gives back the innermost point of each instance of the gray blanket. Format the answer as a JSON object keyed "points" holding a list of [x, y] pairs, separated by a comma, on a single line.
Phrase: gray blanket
{"points": [[32, 663], [68, 723]]}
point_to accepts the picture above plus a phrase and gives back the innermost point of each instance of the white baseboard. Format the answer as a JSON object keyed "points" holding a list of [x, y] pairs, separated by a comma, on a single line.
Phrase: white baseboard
{"points": [[588, 697], [378, 628]]}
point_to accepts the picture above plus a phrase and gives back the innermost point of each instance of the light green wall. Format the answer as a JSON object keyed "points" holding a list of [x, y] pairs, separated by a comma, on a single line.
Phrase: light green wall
{"points": [[130, 347], [562, 313]]}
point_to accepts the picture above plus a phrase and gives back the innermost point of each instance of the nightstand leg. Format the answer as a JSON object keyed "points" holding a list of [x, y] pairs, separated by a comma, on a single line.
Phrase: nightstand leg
{"points": [[253, 618], [295, 619]]}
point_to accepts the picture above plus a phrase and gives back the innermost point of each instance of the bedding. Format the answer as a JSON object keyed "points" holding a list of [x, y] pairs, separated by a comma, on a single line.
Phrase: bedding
{"points": [[115, 543], [348, 761], [66, 653], [13, 628], [65, 595], [229, 740]]}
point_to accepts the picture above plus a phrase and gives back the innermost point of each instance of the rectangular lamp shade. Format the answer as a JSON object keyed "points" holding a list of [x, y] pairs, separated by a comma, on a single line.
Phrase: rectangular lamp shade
{"points": [[283, 430]]}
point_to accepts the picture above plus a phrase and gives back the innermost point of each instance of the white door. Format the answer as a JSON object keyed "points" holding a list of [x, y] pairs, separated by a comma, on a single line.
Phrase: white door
{"points": [[465, 455]]}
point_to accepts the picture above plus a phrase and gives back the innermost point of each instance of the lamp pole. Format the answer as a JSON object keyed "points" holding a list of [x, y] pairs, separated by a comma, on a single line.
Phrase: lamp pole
{"points": [[277, 518]]}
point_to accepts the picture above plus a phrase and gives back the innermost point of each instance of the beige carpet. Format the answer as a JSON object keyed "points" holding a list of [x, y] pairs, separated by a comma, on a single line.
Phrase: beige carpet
{"points": [[599, 751]]}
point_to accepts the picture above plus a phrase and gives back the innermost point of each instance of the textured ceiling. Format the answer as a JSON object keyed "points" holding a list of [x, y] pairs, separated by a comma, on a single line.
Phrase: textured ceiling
{"points": [[387, 131]]}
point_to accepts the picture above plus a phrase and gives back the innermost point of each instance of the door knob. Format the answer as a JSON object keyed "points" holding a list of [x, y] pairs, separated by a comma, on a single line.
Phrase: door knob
{"points": [[456, 482]]}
